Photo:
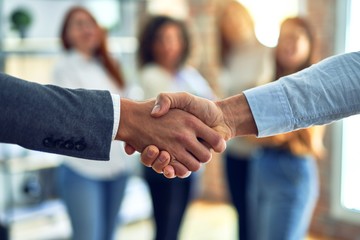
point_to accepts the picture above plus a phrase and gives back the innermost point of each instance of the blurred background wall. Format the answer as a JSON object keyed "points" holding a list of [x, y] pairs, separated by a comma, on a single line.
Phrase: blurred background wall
{"points": [[33, 57]]}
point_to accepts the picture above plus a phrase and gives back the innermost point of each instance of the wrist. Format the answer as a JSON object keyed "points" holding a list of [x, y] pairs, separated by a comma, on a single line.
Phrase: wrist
{"points": [[126, 112], [237, 115], [135, 117]]}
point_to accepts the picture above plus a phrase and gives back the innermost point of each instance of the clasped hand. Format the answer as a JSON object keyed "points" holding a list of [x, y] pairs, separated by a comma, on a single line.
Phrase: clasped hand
{"points": [[198, 126]]}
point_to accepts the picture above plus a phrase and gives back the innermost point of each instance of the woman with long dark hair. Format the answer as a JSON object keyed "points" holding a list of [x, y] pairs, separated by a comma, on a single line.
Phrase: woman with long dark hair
{"points": [[163, 50]]}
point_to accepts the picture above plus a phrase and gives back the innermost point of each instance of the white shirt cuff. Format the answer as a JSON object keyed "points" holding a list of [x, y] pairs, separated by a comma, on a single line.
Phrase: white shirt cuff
{"points": [[116, 105]]}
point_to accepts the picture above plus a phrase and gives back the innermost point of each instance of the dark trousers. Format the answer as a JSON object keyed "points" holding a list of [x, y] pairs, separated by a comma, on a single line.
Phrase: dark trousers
{"points": [[237, 169], [4, 232], [170, 197]]}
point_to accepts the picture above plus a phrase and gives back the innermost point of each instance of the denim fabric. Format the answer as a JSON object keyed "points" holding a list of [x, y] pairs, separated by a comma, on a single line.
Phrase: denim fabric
{"points": [[320, 94], [283, 190], [93, 205], [237, 171]]}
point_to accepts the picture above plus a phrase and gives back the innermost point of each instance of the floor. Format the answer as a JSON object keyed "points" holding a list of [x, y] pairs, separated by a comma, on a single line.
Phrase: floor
{"points": [[203, 221]]}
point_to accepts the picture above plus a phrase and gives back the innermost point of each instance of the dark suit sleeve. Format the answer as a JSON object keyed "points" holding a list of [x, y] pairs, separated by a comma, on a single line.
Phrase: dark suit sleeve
{"points": [[48, 118]]}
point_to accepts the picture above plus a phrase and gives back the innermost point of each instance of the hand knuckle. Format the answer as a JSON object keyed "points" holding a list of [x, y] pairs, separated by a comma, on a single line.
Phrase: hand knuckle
{"points": [[181, 137]]}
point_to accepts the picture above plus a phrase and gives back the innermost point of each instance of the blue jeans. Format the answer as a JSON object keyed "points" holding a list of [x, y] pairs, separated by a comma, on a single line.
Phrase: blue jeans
{"points": [[282, 194], [93, 205]]}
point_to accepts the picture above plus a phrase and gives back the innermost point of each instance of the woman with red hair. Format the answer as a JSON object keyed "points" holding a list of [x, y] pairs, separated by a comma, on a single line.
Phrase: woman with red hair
{"points": [[92, 190]]}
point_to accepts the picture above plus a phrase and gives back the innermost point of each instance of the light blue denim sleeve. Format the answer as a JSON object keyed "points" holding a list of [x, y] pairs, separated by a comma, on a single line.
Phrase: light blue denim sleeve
{"points": [[320, 94]]}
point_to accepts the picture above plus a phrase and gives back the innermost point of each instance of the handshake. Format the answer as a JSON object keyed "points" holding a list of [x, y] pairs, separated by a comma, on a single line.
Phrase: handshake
{"points": [[182, 130]]}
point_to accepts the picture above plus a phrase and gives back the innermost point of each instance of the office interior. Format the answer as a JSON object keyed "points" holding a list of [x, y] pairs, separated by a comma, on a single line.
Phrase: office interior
{"points": [[30, 206]]}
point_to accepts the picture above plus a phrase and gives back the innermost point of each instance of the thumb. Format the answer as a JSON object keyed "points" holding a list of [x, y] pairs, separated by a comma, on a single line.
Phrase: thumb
{"points": [[162, 105], [166, 101]]}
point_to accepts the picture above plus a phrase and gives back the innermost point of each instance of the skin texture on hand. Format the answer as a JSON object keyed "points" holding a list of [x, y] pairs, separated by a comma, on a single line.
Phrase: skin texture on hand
{"points": [[178, 133], [207, 111], [230, 117]]}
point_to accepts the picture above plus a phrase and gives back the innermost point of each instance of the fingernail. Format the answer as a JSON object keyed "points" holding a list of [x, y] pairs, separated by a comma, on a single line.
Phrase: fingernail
{"points": [[151, 153], [167, 174], [156, 109], [162, 159], [187, 174]]}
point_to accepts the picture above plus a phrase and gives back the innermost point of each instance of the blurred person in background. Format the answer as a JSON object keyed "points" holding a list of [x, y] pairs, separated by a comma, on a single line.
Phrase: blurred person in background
{"points": [[164, 47], [283, 185], [246, 63], [92, 191]]}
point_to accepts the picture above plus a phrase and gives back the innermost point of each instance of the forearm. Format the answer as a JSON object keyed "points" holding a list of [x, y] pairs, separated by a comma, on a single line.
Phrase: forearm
{"points": [[47, 118], [323, 93]]}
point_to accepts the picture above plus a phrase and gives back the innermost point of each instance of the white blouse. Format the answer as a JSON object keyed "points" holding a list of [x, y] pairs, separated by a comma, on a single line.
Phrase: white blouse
{"points": [[246, 67], [73, 70], [155, 79]]}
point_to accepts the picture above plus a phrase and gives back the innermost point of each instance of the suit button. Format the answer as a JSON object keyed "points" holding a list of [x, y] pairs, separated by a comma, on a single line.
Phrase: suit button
{"points": [[59, 142], [68, 144], [80, 145], [49, 142]]}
